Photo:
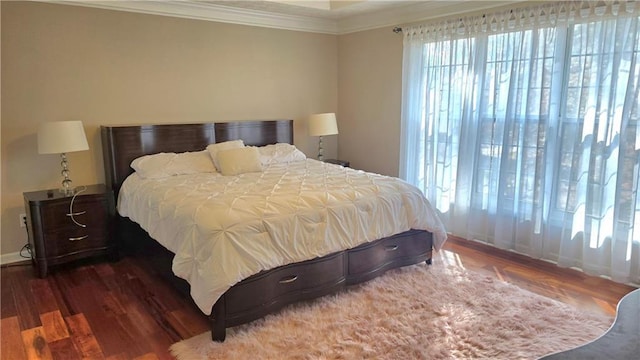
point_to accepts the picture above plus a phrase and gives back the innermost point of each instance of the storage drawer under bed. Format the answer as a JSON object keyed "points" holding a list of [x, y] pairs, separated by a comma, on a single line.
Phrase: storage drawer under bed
{"points": [[280, 287], [367, 260]]}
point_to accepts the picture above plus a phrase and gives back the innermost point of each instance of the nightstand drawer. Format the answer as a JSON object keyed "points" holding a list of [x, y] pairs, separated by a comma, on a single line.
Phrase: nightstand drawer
{"points": [[90, 212], [66, 242]]}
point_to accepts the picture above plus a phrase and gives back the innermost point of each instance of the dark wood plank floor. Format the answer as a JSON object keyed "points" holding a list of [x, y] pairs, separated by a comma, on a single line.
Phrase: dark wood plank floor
{"points": [[122, 310]]}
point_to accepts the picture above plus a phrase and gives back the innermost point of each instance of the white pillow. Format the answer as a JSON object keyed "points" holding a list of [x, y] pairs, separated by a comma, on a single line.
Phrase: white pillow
{"points": [[213, 149], [161, 165], [280, 153], [239, 161]]}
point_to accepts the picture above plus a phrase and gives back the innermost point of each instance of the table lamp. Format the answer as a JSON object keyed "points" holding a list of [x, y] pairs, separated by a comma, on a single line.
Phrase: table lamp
{"points": [[62, 137], [322, 125]]}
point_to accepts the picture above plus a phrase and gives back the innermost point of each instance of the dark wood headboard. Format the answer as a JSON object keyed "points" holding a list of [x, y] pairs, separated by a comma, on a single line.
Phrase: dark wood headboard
{"points": [[122, 144]]}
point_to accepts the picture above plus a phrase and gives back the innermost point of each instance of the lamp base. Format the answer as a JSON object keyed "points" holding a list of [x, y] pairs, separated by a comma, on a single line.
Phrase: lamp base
{"points": [[66, 182], [320, 150]]}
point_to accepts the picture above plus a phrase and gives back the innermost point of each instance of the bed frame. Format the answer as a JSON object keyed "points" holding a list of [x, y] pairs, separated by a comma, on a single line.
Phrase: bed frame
{"points": [[267, 291]]}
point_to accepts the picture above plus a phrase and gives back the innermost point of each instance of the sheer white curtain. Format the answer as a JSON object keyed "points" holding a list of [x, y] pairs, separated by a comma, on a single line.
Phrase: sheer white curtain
{"points": [[522, 128]]}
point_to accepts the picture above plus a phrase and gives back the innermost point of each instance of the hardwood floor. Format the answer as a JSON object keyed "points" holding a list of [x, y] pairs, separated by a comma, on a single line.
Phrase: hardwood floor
{"points": [[123, 310]]}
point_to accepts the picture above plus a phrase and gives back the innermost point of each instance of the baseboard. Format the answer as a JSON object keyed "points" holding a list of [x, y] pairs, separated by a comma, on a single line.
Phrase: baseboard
{"points": [[11, 258]]}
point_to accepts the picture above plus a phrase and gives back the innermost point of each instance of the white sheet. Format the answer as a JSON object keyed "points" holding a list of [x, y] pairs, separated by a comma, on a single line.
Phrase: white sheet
{"points": [[226, 228]]}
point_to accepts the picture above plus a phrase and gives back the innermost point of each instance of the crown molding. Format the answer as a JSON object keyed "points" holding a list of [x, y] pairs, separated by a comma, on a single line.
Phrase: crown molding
{"points": [[213, 12]]}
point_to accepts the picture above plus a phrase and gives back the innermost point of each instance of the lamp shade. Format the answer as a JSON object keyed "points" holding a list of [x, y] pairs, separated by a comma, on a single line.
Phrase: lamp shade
{"points": [[323, 124], [59, 137]]}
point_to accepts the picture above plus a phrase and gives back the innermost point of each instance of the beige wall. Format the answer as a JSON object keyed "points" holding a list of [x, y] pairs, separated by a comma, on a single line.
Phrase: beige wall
{"points": [[105, 67], [370, 95]]}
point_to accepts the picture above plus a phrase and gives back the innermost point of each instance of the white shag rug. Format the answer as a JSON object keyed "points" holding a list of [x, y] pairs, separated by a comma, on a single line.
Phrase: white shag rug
{"points": [[416, 312]]}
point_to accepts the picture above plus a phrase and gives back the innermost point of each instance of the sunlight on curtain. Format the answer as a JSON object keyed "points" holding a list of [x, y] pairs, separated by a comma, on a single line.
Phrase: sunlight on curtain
{"points": [[522, 128]]}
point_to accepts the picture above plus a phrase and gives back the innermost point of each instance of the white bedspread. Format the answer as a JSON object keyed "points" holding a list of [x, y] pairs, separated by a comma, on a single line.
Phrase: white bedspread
{"points": [[223, 229]]}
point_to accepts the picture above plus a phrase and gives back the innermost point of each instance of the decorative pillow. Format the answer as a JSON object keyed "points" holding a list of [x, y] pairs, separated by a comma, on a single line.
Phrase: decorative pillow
{"points": [[161, 165], [239, 161], [280, 153], [213, 149]]}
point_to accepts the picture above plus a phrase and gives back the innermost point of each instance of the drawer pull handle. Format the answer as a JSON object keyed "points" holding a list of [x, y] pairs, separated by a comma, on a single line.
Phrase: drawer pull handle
{"points": [[77, 213], [78, 238], [391, 247], [288, 279], [72, 214]]}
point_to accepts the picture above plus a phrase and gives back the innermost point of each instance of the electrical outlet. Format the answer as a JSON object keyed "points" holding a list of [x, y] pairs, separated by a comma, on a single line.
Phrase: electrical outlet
{"points": [[23, 220]]}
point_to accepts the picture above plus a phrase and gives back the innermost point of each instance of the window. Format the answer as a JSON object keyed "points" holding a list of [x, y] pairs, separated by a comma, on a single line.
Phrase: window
{"points": [[526, 135]]}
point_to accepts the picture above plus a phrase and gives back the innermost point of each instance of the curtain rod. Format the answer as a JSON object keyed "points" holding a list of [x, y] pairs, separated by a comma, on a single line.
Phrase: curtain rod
{"points": [[397, 29]]}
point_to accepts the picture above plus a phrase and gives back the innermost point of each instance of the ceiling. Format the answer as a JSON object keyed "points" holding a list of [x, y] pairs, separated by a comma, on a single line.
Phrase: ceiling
{"points": [[322, 16]]}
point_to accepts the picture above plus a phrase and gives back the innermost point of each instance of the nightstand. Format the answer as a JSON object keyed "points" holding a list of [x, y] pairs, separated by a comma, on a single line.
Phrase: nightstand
{"points": [[338, 162], [67, 228]]}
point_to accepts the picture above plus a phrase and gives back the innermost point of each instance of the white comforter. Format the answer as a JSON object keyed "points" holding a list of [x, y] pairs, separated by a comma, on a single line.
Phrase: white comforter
{"points": [[223, 229]]}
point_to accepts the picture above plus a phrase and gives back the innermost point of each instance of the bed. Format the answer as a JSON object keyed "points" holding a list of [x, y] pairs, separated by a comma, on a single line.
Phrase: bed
{"points": [[260, 285]]}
